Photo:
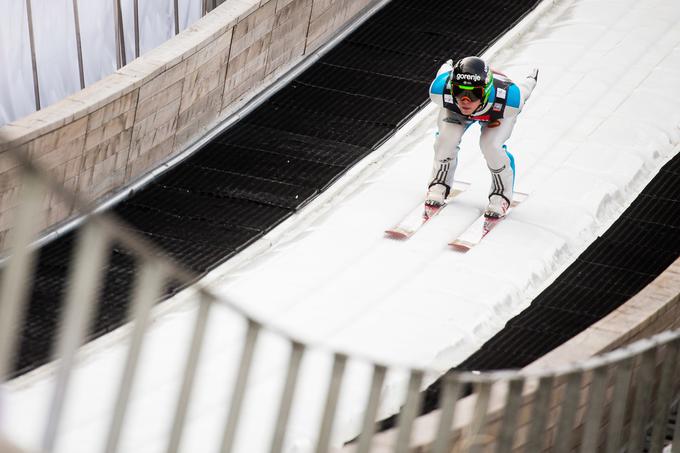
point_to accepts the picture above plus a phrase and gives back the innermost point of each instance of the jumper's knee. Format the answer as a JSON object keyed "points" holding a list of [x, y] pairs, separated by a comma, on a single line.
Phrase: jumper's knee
{"points": [[494, 154]]}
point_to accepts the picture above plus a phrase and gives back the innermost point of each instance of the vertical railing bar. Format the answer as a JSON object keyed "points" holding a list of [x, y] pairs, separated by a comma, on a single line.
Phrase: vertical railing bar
{"points": [[135, 5], [229, 434], [333, 394], [204, 7], [593, 418], [14, 280], [510, 415], [409, 412], [675, 445], [287, 396], [116, 30], [189, 372], [368, 427], [34, 62], [451, 393], [675, 388], [84, 281], [664, 396], [147, 290], [474, 440], [643, 394], [565, 419], [79, 47], [675, 440], [176, 6], [539, 415], [120, 34], [618, 408]]}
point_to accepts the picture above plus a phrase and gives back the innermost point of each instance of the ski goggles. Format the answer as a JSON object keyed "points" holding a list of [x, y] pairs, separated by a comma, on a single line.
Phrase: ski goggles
{"points": [[474, 93]]}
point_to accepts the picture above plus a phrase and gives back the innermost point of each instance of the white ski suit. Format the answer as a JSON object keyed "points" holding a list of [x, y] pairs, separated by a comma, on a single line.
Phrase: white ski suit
{"points": [[497, 119]]}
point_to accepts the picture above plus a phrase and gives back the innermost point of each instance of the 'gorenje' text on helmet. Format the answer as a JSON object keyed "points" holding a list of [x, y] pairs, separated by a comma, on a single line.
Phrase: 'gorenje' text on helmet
{"points": [[471, 75]]}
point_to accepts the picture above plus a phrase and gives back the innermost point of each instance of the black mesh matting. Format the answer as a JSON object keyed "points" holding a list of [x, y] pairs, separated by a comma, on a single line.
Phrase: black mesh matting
{"points": [[278, 158]]}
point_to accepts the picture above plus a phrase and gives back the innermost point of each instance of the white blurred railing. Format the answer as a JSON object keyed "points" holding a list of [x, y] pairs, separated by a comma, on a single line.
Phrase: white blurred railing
{"points": [[611, 402]]}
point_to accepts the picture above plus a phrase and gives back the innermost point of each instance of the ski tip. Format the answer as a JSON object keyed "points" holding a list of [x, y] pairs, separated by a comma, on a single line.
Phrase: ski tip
{"points": [[460, 246], [397, 234]]}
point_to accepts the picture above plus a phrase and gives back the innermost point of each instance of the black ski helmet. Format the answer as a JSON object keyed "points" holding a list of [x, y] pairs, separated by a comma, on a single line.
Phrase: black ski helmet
{"points": [[472, 74]]}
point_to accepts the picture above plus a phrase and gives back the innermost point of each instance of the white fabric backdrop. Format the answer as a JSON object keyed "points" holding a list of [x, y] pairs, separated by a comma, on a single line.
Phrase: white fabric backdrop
{"points": [[55, 42]]}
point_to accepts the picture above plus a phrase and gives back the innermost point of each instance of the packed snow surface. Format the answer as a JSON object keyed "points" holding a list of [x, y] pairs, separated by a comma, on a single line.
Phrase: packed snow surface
{"points": [[601, 122]]}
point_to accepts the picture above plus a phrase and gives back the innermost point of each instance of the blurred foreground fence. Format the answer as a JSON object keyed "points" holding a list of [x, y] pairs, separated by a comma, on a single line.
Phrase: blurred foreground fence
{"points": [[619, 401]]}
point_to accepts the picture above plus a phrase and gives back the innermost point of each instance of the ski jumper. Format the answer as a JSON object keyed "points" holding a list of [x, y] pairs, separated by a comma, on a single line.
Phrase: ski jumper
{"points": [[497, 119]]}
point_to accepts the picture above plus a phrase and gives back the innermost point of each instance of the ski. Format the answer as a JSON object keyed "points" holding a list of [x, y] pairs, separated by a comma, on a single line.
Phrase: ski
{"points": [[474, 234], [422, 214]]}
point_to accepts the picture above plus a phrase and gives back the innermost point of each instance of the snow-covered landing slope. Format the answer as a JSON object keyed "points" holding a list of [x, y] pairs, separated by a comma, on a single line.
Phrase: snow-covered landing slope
{"points": [[601, 122]]}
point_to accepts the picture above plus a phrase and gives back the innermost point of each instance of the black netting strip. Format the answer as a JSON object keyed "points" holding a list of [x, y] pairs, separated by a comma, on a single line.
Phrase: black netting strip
{"points": [[226, 184], [286, 143], [330, 102], [384, 62], [322, 125], [210, 209], [267, 165], [360, 83]]}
